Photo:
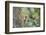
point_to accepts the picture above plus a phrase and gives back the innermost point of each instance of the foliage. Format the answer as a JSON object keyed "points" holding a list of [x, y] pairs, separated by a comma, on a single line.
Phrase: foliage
{"points": [[28, 17]]}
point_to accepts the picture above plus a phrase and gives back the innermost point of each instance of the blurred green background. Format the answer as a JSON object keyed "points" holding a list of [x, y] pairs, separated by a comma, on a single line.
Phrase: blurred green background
{"points": [[26, 17]]}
